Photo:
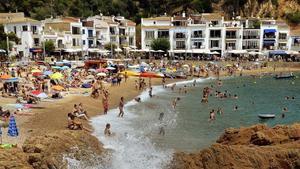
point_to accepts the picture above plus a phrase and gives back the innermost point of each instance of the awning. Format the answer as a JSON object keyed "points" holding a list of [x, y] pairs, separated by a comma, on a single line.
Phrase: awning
{"points": [[270, 30], [278, 52], [36, 50], [72, 50], [198, 51], [238, 51]]}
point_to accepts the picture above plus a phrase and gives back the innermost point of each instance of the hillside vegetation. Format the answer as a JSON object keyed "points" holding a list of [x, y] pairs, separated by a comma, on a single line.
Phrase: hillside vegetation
{"points": [[135, 9]]}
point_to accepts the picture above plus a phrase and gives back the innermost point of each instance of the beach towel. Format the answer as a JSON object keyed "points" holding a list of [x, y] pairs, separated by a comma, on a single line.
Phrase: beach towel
{"points": [[12, 127], [86, 85]]}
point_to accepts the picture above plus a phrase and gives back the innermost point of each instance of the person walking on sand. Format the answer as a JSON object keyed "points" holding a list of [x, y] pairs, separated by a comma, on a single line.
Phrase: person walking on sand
{"points": [[121, 107], [105, 104], [150, 92]]}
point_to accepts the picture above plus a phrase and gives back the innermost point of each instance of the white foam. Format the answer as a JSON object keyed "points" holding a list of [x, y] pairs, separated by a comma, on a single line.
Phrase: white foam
{"points": [[131, 147]]}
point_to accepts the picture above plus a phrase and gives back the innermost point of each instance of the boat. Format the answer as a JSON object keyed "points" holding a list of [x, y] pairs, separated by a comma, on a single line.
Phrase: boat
{"points": [[286, 76], [266, 116]]}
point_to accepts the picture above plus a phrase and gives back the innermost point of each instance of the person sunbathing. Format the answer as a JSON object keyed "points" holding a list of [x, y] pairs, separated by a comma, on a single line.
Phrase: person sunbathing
{"points": [[73, 124]]}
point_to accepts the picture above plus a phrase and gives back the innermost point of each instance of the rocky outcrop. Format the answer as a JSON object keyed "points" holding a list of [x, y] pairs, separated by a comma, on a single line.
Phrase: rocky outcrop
{"points": [[258, 147], [13, 158], [49, 151]]}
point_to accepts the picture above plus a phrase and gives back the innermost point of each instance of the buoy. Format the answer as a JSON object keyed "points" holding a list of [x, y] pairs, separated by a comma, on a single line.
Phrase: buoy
{"points": [[255, 82], [293, 82]]}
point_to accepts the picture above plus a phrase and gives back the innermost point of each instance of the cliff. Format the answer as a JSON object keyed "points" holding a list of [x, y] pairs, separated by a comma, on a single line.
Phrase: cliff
{"points": [[257, 8], [49, 151], [254, 147]]}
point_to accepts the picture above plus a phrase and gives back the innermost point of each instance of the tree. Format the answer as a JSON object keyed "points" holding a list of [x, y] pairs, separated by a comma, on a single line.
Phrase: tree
{"points": [[49, 46], [110, 46], [160, 44]]}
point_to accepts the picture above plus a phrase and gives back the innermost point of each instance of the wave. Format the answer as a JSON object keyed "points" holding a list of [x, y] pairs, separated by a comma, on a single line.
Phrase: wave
{"points": [[131, 146]]}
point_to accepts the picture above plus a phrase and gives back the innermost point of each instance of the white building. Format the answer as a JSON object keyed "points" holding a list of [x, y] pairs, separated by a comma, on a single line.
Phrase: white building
{"points": [[210, 33], [26, 29]]}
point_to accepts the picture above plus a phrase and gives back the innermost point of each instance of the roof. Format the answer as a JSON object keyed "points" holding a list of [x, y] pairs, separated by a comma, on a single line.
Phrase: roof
{"points": [[161, 18], [88, 23], [12, 15], [130, 22], [18, 20], [156, 27], [211, 16], [70, 19], [295, 31]]}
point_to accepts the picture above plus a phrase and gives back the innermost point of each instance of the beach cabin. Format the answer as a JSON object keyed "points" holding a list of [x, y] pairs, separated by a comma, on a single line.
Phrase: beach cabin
{"points": [[95, 64]]}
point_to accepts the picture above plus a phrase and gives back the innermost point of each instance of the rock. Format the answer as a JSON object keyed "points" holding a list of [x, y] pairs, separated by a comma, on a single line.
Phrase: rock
{"points": [[260, 139], [242, 148], [13, 158]]}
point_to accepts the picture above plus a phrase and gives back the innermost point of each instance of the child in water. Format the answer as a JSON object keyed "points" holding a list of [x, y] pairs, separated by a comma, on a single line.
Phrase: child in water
{"points": [[107, 130]]}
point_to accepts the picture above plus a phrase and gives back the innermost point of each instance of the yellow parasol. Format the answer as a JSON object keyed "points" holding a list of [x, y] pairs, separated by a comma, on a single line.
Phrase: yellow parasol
{"points": [[36, 71], [56, 75]]}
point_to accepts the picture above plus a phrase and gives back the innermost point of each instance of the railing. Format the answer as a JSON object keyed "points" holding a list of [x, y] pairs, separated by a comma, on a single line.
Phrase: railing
{"points": [[251, 37], [179, 36], [231, 37], [250, 47], [198, 36]]}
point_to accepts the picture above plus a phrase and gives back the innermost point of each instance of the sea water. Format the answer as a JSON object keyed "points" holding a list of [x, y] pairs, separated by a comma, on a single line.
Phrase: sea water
{"points": [[137, 143]]}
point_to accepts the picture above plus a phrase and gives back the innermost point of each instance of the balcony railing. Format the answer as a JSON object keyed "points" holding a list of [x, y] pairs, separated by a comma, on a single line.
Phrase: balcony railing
{"points": [[176, 36], [269, 36], [231, 37], [251, 37], [198, 36], [250, 47]]}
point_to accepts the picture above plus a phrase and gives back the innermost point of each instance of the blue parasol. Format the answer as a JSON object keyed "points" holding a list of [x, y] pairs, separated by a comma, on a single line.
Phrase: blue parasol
{"points": [[12, 127], [11, 80], [48, 72]]}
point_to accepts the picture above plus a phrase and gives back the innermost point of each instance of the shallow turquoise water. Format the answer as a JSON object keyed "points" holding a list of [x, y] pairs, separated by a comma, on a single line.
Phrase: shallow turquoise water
{"points": [[187, 128]]}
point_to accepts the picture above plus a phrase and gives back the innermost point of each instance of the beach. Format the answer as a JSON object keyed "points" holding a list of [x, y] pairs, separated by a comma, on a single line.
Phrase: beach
{"points": [[51, 117]]}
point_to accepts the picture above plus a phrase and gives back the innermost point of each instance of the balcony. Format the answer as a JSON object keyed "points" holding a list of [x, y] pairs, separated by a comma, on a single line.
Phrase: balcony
{"points": [[198, 36], [251, 37], [179, 36], [250, 47], [231, 37]]}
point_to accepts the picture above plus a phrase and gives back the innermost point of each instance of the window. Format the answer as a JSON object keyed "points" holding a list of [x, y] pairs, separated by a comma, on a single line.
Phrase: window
{"points": [[112, 30], [113, 39], [250, 44], [149, 34], [197, 34], [197, 45], [214, 23], [180, 35], [215, 33], [90, 33], [214, 44], [230, 45], [83, 31], [25, 28], [90, 43], [122, 31], [282, 46], [36, 41], [83, 42], [74, 42], [15, 29], [131, 41], [230, 34], [248, 34], [282, 36], [180, 44], [163, 34], [75, 30], [34, 29]]}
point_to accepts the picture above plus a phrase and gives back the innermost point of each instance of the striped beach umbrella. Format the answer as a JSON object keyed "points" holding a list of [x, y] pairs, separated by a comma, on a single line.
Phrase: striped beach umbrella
{"points": [[12, 127]]}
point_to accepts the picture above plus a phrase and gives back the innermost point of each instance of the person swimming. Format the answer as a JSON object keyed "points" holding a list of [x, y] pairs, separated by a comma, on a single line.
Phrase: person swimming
{"points": [[235, 96], [137, 99], [174, 103], [235, 108], [107, 130], [220, 111], [212, 115]]}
